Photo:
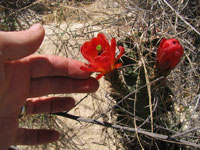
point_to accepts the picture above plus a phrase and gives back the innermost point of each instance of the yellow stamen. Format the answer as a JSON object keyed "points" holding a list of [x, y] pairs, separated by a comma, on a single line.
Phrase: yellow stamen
{"points": [[98, 48]]}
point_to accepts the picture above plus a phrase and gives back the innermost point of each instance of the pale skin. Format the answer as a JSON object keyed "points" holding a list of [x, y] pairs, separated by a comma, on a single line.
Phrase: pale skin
{"points": [[25, 77]]}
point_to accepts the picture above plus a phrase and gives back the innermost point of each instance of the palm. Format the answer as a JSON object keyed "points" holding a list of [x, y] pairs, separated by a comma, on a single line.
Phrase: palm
{"points": [[18, 85]]}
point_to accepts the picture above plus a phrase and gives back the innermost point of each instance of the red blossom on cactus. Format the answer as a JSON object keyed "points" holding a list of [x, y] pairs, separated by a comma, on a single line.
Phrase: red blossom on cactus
{"points": [[101, 55], [168, 55]]}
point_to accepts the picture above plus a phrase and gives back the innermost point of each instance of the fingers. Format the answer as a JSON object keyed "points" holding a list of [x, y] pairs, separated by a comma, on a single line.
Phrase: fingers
{"points": [[35, 136], [49, 105], [16, 45], [59, 85], [50, 65]]}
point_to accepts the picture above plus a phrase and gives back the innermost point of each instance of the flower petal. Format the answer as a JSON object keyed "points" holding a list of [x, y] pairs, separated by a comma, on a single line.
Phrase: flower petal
{"points": [[88, 51], [97, 41], [88, 69], [105, 42], [100, 75], [103, 63], [112, 50], [121, 49], [118, 65], [161, 45]]}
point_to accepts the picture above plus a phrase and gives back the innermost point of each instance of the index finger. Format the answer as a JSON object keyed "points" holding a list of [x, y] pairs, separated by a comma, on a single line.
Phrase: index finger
{"points": [[52, 65]]}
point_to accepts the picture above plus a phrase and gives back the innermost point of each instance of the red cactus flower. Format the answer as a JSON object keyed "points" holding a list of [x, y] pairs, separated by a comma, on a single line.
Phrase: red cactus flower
{"points": [[101, 55], [168, 55]]}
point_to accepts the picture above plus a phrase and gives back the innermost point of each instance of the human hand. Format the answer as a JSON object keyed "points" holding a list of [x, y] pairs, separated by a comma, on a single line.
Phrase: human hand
{"points": [[25, 78]]}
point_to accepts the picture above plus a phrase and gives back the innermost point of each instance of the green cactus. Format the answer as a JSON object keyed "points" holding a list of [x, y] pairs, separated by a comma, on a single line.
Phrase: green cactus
{"points": [[130, 87]]}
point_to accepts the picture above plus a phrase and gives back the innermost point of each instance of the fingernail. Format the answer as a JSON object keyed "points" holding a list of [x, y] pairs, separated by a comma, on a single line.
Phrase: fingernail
{"points": [[36, 27], [89, 85], [55, 135]]}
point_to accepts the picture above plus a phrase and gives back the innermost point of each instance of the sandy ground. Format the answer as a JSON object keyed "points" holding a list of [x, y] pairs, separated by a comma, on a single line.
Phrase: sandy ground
{"points": [[95, 105]]}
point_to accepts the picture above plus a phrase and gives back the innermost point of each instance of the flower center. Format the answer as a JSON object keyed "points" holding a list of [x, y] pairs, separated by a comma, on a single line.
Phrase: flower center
{"points": [[98, 48]]}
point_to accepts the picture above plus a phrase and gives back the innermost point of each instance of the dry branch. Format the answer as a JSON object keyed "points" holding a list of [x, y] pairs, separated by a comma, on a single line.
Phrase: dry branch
{"points": [[162, 137]]}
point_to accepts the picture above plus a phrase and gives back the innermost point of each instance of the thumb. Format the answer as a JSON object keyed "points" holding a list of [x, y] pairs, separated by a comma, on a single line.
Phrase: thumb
{"points": [[18, 44]]}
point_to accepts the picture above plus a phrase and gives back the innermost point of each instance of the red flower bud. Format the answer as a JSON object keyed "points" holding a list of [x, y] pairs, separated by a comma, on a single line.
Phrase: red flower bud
{"points": [[168, 55], [100, 55]]}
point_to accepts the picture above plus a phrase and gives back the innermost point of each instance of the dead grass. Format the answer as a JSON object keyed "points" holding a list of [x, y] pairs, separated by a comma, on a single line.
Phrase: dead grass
{"points": [[169, 107]]}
